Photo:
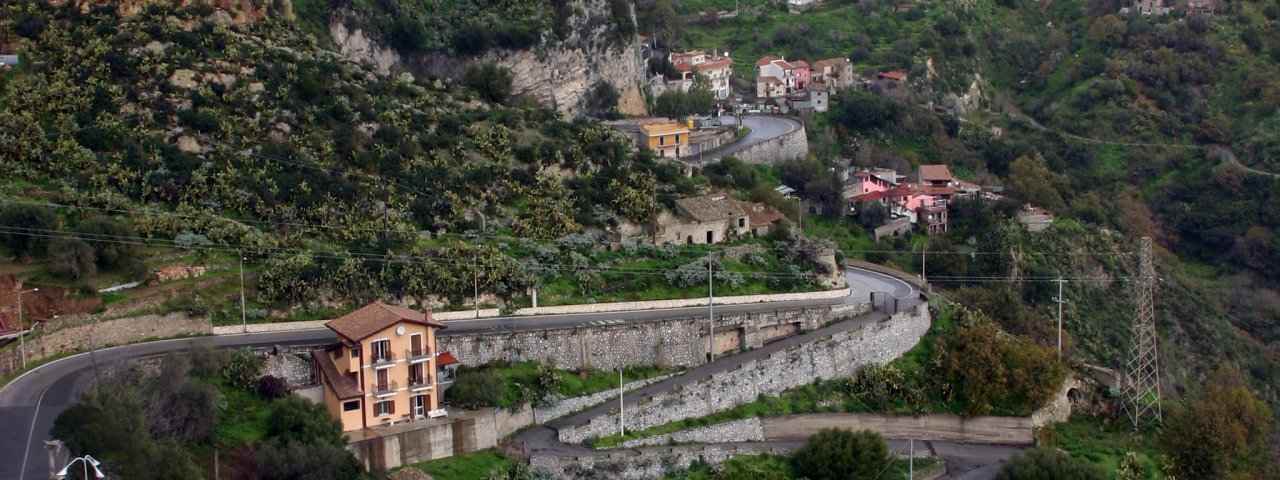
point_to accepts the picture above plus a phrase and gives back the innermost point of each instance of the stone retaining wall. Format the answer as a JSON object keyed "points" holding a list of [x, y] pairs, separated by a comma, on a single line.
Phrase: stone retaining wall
{"points": [[836, 356], [789, 146], [384, 448], [100, 334], [942, 427], [645, 463], [681, 302], [745, 430], [667, 342], [575, 404]]}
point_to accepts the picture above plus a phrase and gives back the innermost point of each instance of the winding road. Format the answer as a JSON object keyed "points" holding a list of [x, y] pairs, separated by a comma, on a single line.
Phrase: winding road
{"points": [[763, 128], [30, 403]]}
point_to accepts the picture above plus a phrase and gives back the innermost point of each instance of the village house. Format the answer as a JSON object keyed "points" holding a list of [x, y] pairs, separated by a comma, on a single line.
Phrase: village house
{"points": [[775, 77], [892, 75], [383, 368], [835, 73], [800, 71], [710, 219], [924, 205], [717, 69], [819, 96], [668, 140]]}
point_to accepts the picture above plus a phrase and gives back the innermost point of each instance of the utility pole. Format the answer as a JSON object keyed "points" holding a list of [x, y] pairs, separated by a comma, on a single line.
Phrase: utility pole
{"points": [[800, 213], [22, 336], [924, 264], [911, 460], [244, 322], [622, 409], [475, 278], [1060, 301], [711, 310]]}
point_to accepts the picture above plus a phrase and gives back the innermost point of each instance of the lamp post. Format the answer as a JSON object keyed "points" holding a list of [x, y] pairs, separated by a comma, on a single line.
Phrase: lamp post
{"points": [[244, 323], [711, 313], [22, 336], [89, 462]]}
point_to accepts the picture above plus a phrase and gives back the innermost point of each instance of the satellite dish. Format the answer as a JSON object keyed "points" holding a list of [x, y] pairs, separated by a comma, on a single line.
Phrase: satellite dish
{"points": [[726, 54], [400, 330]]}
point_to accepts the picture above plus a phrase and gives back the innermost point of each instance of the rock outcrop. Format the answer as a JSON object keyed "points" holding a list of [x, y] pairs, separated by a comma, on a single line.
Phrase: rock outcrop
{"points": [[560, 73]]}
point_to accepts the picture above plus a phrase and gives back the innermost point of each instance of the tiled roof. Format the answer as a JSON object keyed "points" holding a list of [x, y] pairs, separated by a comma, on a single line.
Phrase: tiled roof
{"points": [[375, 317], [683, 67], [784, 64], [444, 359], [930, 173], [801, 64], [342, 386], [761, 214], [773, 80], [830, 62], [708, 208], [765, 60], [893, 75], [667, 128], [817, 86], [713, 64]]}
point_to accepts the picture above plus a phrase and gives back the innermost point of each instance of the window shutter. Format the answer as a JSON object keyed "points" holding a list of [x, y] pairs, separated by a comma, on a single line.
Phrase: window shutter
{"points": [[391, 407]]}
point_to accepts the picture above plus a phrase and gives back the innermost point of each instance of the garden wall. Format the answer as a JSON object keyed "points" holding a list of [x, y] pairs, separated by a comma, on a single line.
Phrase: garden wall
{"points": [[461, 432]]}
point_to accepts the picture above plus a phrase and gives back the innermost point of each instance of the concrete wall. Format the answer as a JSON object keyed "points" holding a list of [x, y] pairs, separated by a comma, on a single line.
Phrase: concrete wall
{"points": [[90, 332], [462, 432], [944, 427], [670, 342], [776, 150], [654, 462], [836, 356]]}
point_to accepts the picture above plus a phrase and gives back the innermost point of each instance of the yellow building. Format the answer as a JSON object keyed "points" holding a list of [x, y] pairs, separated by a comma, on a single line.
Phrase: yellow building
{"points": [[670, 139], [382, 370]]}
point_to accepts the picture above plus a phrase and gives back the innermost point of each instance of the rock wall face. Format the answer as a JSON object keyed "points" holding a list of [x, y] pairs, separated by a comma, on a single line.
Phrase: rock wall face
{"points": [[97, 334], [559, 73], [836, 356]]}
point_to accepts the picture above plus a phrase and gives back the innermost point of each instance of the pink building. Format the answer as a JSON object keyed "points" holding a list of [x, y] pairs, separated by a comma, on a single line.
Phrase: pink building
{"points": [[923, 205], [801, 74]]}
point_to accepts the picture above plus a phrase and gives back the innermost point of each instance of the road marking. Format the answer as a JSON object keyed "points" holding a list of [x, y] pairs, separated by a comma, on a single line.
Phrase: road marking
{"points": [[32, 432]]}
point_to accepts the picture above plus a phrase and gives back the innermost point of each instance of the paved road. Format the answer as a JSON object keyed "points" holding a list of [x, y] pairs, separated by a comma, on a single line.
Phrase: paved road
{"points": [[763, 127], [29, 404]]}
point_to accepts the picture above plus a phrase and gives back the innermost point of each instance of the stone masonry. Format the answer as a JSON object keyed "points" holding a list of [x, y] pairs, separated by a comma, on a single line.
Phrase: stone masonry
{"points": [[745, 430], [653, 462], [836, 356], [575, 404], [100, 334], [668, 342], [776, 150]]}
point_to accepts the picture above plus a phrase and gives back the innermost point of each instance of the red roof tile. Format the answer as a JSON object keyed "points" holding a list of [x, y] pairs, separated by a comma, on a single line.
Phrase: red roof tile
{"points": [[773, 80], [444, 359], [931, 173], [375, 317], [765, 60], [893, 75], [683, 67], [724, 62]]}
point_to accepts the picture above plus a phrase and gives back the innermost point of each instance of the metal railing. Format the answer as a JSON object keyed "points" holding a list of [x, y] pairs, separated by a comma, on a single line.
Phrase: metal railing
{"points": [[384, 357], [417, 353], [385, 387], [417, 382]]}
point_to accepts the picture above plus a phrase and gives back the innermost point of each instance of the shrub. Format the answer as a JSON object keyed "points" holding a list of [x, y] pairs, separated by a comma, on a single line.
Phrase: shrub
{"points": [[71, 257], [19, 220], [272, 387], [840, 454], [491, 82], [1047, 464], [242, 368], [477, 389]]}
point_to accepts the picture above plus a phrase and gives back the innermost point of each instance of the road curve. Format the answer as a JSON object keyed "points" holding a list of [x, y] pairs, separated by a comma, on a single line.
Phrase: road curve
{"points": [[763, 128], [30, 403]]}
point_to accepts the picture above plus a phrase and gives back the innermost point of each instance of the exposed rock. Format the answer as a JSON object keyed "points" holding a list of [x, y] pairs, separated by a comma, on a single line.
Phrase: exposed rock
{"points": [[189, 145], [183, 78], [257, 87], [559, 73]]}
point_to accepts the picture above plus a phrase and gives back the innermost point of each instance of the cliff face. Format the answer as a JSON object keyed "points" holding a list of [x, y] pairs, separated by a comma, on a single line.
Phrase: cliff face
{"points": [[559, 73]]}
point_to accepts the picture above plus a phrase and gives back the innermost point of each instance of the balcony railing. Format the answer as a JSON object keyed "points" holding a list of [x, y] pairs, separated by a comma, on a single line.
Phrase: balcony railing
{"points": [[419, 382], [417, 354], [384, 357], [384, 388]]}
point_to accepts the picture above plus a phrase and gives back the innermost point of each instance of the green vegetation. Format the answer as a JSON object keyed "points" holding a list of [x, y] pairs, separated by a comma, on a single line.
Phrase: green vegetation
{"points": [[777, 467], [837, 454], [1047, 464], [478, 464], [511, 385], [165, 420], [1105, 442]]}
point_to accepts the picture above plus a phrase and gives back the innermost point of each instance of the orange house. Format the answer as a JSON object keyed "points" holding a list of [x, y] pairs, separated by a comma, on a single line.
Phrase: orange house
{"points": [[382, 370]]}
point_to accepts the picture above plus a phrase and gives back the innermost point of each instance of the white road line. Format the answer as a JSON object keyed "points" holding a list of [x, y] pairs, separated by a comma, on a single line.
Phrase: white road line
{"points": [[32, 432]]}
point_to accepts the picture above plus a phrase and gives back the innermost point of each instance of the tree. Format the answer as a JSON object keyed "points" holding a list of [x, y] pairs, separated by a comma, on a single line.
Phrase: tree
{"points": [[71, 257], [105, 235], [1220, 432], [475, 389], [241, 368], [983, 368], [280, 459], [1042, 463], [840, 454], [19, 223], [491, 82], [602, 99], [871, 214], [1108, 29], [1030, 181], [294, 418], [1131, 468]]}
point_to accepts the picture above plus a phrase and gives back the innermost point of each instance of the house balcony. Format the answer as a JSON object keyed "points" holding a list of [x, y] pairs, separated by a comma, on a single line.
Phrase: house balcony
{"points": [[417, 355], [385, 389], [418, 384], [384, 359]]}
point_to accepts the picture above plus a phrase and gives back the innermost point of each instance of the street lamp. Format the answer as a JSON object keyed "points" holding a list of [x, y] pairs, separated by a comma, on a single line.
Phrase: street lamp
{"points": [[244, 323], [89, 462], [22, 342]]}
